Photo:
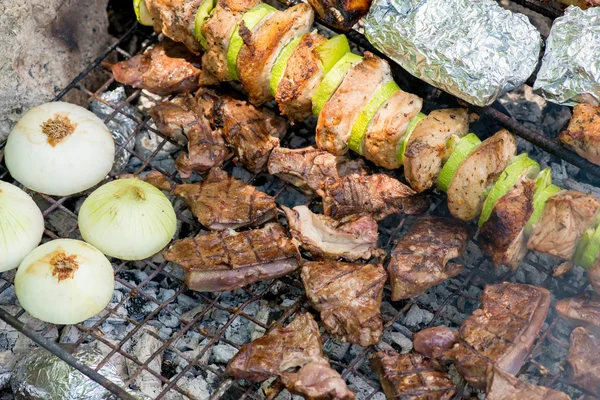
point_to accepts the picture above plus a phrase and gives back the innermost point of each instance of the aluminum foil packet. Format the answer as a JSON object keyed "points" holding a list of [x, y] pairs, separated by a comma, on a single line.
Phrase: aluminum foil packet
{"points": [[475, 50], [570, 71]]}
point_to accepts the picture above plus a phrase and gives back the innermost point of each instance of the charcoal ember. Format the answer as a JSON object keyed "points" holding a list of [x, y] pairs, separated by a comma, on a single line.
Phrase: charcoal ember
{"points": [[583, 361], [142, 346]]}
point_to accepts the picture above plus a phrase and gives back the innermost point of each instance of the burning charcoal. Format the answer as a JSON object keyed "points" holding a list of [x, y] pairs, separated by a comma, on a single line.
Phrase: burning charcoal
{"points": [[503, 386], [142, 346], [430, 341], [348, 296], [581, 311], [583, 361]]}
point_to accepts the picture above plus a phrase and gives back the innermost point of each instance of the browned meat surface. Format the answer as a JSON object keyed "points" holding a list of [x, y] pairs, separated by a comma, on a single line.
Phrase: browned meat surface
{"points": [[502, 236], [583, 133], [351, 238], [594, 276], [262, 46], [421, 258], [251, 132], [378, 195], [175, 19], [309, 168], [228, 260], [411, 377], [341, 14], [503, 386], [167, 68], [566, 216], [423, 158], [303, 74], [179, 119], [294, 354], [339, 114], [431, 341], [583, 363], [583, 310], [501, 333], [583, 4], [348, 296]]}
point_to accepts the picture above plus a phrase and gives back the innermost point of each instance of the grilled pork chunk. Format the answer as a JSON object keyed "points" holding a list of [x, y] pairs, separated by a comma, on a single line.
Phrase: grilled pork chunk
{"points": [[423, 158], [340, 112], [411, 376], [566, 216], [583, 310], [583, 361], [251, 132], [351, 238], [583, 132], [378, 195], [228, 260], [309, 169], [167, 68], [348, 296], [295, 355], [467, 191], [180, 118], [502, 236], [175, 19], [503, 386], [341, 14], [262, 46], [421, 258], [431, 341], [594, 276]]}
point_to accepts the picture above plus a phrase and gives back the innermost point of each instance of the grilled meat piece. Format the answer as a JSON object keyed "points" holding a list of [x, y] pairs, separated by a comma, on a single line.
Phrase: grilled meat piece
{"points": [[309, 168], [566, 216], [502, 236], [582, 310], [594, 276], [583, 361], [501, 333], [378, 195], [411, 377], [503, 386], [426, 146], [175, 19], [431, 341], [352, 238], [228, 260], [583, 4], [467, 191], [341, 111], [251, 132], [421, 258], [295, 355], [180, 118], [167, 68], [262, 46], [583, 132], [341, 14], [348, 296]]}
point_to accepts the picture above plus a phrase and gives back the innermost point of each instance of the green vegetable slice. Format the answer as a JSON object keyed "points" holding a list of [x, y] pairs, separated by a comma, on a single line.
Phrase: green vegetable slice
{"points": [[332, 51], [332, 80], [521, 165], [366, 114], [544, 189], [584, 241], [281, 63], [142, 14], [588, 247], [409, 130], [201, 17], [463, 149], [251, 19]]}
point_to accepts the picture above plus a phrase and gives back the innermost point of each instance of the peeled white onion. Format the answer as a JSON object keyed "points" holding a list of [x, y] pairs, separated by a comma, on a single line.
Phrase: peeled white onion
{"points": [[128, 219], [59, 149], [21, 225], [64, 282]]}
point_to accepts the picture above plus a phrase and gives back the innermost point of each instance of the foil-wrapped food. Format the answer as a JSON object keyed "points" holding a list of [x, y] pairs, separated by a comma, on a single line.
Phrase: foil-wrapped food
{"points": [[570, 71], [475, 50]]}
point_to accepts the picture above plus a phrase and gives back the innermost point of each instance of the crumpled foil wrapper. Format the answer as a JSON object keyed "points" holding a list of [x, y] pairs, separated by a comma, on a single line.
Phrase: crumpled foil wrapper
{"points": [[120, 126], [475, 50], [570, 71]]}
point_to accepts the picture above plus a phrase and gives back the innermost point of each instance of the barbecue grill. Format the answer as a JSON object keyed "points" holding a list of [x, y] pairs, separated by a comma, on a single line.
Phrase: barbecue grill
{"points": [[284, 297]]}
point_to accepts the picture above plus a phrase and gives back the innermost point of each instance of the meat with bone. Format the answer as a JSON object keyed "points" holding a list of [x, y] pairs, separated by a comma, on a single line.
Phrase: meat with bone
{"points": [[251, 132], [504, 386], [351, 238], [309, 169], [411, 377], [341, 14], [583, 132], [583, 310], [378, 195], [175, 19], [228, 260], [421, 258], [426, 146], [348, 296], [431, 342], [294, 354], [594, 276], [221, 201], [566, 216], [502, 236], [467, 190], [180, 118], [583, 363]]}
